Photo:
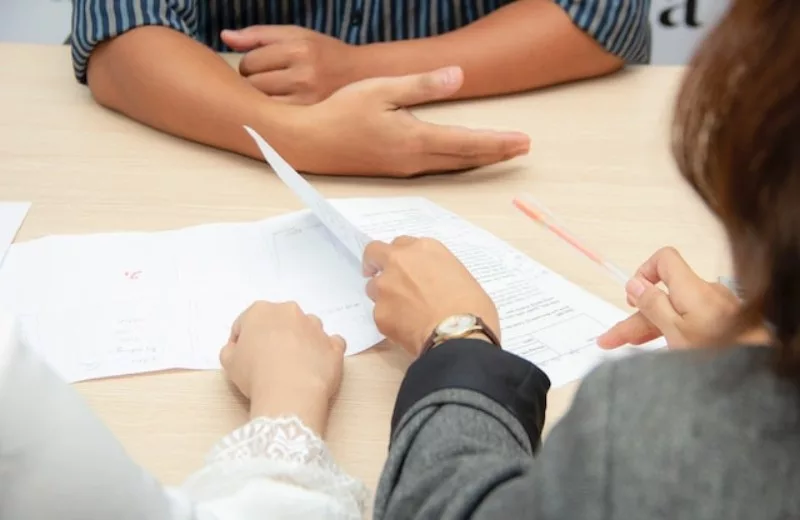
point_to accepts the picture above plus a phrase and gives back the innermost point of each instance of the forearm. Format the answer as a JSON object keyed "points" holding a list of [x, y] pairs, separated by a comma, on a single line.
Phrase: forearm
{"points": [[165, 79], [310, 406], [524, 45]]}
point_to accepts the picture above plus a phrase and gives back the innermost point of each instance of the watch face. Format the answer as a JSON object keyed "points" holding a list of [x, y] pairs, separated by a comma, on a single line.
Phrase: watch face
{"points": [[455, 325]]}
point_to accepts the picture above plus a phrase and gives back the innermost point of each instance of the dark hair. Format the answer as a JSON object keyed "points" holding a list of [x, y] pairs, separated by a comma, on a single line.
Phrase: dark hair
{"points": [[736, 139]]}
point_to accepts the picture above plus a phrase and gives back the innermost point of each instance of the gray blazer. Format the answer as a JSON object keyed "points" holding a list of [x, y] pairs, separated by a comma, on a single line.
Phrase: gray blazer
{"points": [[694, 435]]}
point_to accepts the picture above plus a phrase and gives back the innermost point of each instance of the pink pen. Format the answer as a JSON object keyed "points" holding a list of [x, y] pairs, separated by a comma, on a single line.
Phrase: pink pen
{"points": [[536, 211]]}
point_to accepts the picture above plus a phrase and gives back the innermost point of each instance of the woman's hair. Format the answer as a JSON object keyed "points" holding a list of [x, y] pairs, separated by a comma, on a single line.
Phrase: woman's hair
{"points": [[736, 139]]}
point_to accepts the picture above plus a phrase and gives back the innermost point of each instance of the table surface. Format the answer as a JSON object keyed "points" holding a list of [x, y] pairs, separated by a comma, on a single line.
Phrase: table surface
{"points": [[599, 159]]}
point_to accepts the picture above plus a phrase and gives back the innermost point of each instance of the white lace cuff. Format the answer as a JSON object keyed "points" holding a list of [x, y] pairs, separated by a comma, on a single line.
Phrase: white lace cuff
{"points": [[282, 449], [284, 439]]}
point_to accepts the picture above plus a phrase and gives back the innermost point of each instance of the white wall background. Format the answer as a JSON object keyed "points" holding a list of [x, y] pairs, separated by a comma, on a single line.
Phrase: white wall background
{"points": [[677, 24], [35, 21]]}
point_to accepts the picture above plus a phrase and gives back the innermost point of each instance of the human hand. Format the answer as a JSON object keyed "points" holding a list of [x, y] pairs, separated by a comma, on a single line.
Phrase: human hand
{"points": [[291, 63], [282, 359], [693, 313], [416, 284], [363, 129]]}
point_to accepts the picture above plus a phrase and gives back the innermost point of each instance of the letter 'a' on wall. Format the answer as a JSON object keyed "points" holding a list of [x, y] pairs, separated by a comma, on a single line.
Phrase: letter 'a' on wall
{"points": [[679, 26]]}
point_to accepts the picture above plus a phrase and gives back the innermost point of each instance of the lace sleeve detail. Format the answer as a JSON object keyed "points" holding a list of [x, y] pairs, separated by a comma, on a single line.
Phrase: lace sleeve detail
{"points": [[282, 450], [282, 439]]}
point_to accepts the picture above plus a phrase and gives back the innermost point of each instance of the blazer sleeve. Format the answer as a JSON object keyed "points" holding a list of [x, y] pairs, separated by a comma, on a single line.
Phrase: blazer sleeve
{"points": [[466, 442]]}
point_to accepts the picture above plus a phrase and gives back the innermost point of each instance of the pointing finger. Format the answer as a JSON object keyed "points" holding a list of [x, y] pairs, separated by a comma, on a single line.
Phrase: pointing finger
{"points": [[634, 330]]}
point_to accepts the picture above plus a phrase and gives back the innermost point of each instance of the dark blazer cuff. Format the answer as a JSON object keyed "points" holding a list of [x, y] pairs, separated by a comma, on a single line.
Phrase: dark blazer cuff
{"points": [[470, 364]]}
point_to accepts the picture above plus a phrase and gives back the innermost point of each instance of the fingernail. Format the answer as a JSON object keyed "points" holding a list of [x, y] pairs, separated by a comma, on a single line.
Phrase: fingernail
{"points": [[522, 149], [517, 143], [449, 75], [603, 342], [634, 288]]}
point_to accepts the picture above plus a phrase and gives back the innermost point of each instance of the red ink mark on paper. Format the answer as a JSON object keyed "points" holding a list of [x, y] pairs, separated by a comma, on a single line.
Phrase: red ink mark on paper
{"points": [[132, 275]]}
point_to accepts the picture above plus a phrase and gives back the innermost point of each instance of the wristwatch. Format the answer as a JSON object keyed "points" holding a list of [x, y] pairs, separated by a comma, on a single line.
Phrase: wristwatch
{"points": [[459, 326]]}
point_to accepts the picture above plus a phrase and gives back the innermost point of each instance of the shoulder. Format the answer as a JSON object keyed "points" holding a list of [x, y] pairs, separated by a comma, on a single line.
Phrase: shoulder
{"points": [[662, 366], [664, 389], [667, 372]]}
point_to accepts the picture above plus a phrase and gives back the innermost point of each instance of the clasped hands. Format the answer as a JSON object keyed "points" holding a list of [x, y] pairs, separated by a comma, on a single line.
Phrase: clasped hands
{"points": [[360, 127], [285, 362]]}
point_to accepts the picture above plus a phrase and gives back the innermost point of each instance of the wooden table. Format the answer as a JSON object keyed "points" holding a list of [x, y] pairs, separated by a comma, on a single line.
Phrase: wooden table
{"points": [[599, 159]]}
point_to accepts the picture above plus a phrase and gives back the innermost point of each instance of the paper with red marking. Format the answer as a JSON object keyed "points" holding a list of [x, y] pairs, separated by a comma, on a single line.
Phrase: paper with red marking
{"points": [[111, 304]]}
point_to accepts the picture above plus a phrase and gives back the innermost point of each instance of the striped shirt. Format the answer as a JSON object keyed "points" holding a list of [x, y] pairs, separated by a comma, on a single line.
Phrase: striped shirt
{"points": [[620, 26]]}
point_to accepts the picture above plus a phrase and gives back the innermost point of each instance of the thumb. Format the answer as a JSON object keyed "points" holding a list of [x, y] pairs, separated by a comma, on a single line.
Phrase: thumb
{"points": [[416, 89], [655, 305], [247, 39]]}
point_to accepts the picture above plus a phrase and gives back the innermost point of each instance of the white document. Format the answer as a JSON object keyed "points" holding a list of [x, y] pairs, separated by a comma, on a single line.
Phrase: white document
{"points": [[544, 318], [12, 214], [110, 304], [351, 237]]}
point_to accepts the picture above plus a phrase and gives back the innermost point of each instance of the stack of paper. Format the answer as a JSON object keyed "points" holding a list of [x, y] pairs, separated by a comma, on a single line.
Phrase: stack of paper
{"points": [[109, 304]]}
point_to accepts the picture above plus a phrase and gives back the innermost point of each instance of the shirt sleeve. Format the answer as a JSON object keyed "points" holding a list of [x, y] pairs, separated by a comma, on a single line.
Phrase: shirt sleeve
{"points": [[621, 27], [95, 21], [62, 462]]}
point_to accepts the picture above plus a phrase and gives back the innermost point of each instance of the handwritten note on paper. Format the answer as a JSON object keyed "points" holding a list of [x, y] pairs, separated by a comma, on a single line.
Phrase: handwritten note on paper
{"points": [[111, 304], [350, 236], [11, 216]]}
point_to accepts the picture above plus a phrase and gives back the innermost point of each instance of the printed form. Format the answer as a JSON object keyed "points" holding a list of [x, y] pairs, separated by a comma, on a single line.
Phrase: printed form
{"points": [[122, 303], [544, 318]]}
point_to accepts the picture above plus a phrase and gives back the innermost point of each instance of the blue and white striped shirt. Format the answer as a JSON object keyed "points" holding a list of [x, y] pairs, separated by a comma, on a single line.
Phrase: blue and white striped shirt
{"points": [[620, 26]]}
